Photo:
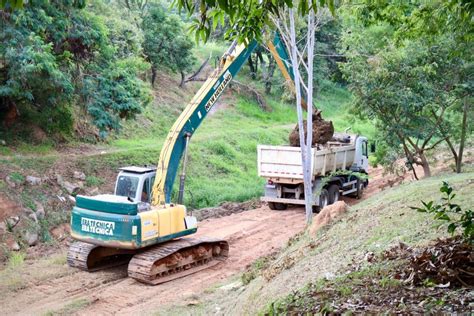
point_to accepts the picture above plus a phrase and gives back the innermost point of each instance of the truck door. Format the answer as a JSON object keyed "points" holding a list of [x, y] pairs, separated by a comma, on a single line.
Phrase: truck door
{"points": [[364, 162], [361, 156]]}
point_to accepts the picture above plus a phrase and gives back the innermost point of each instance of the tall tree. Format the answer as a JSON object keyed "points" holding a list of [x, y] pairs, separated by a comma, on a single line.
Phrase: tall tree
{"points": [[248, 19], [417, 57], [166, 44], [302, 60]]}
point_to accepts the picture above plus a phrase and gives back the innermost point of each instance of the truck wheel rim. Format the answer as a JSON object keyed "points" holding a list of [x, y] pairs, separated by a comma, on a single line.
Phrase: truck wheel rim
{"points": [[324, 200]]}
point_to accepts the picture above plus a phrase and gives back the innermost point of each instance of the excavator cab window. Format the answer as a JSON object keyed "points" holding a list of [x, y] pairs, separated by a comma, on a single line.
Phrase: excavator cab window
{"points": [[145, 197], [127, 186]]}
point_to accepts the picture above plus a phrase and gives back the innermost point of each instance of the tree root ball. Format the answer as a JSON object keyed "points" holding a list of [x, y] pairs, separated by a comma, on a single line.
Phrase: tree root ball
{"points": [[322, 131]]}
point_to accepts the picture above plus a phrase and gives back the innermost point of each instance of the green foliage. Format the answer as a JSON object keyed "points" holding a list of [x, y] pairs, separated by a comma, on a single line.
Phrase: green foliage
{"points": [[17, 177], [54, 56], [409, 67], [93, 181], [166, 44], [246, 18], [116, 93], [452, 213], [257, 268], [16, 260], [11, 4]]}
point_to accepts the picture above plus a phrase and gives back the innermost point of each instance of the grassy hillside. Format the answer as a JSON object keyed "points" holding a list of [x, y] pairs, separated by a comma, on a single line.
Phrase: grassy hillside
{"points": [[222, 158], [370, 227], [222, 155]]}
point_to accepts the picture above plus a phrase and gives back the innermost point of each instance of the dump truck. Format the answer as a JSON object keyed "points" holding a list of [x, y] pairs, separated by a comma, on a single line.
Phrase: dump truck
{"points": [[339, 168]]}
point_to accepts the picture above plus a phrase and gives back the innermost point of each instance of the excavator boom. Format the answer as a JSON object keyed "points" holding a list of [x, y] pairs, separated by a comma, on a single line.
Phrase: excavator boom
{"points": [[195, 112]]}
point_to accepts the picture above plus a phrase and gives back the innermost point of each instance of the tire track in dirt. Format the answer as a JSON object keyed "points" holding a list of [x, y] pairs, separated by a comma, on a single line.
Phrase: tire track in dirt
{"points": [[251, 234]]}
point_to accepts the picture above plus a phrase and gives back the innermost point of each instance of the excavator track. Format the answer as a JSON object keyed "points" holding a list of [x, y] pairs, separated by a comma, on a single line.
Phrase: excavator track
{"points": [[89, 257], [177, 258]]}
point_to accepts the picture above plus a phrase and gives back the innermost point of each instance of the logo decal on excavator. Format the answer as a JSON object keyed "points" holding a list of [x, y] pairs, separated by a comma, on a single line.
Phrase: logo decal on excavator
{"points": [[219, 89], [97, 227]]}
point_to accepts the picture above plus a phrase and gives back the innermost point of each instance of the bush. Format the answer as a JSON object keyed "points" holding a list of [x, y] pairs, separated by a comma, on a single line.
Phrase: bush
{"points": [[451, 213]]}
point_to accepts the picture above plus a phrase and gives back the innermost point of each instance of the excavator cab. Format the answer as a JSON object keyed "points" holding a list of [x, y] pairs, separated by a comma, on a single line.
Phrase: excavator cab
{"points": [[135, 183]]}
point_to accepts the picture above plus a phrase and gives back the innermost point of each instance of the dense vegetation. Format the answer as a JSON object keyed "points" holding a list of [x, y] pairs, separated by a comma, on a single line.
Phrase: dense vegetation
{"points": [[410, 67], [75, 70], [61, 63]]}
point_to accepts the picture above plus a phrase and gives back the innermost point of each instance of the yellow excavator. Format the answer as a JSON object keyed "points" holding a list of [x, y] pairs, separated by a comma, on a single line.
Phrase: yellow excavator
{"points": [[139, 224]]}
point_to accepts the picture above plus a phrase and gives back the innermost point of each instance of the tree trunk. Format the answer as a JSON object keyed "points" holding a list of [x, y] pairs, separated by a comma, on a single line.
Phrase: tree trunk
{"points": [[308, 174], [256, 66], [153, 76], [183, 79], [426, 166], [463, 136], [253, 72], [269, 74], [304, 156]]}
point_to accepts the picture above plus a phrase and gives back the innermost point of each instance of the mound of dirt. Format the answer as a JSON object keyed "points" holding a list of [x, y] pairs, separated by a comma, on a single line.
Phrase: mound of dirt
{"points": [[323, 131], [327, 215]]}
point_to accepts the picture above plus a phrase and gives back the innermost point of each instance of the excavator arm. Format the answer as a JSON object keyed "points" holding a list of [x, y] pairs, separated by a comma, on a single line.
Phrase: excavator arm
{"points": [[202, 102]]}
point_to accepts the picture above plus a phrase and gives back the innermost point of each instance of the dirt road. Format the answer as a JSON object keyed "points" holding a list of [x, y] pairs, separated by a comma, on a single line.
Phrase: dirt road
{"points": [[251, 234]]}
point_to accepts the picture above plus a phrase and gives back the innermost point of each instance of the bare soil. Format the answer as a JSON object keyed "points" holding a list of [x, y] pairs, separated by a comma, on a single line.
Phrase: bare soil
{"points": [[8, 207], [251, 234]]}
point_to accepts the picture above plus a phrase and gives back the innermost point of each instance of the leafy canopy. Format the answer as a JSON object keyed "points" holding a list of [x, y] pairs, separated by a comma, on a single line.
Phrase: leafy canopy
{"points": [[54, 56], [166, 45], [409, 65], [247, 18]]}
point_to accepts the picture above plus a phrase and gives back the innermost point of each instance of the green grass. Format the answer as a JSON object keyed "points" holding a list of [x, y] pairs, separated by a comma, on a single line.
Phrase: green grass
{"points": [[16, 260], [222, 156], [39, 149], [71, 307], [5, 150], [93, 181], [214, 49], [17, 177]]}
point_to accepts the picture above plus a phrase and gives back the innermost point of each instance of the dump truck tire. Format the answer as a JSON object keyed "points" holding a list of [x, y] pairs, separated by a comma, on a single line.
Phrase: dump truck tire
{"points": [[277, 206], [323, 198], [333, 194]]}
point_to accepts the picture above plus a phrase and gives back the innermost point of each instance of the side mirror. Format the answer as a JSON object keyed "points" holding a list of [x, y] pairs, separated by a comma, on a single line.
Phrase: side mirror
{"points": [[372, 148]]}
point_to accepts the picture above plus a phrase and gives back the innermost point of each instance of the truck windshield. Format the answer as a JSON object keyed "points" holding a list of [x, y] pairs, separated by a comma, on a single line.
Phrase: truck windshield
{"points": [[127, 186]]}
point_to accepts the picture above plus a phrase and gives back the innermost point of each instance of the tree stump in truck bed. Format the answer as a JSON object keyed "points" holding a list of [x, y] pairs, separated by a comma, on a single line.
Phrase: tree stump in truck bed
{"points": [[323, 131]]}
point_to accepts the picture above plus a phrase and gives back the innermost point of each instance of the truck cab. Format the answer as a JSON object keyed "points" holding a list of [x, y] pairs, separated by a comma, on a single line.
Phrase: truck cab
{"points": [[135, 183], [361, 155]]}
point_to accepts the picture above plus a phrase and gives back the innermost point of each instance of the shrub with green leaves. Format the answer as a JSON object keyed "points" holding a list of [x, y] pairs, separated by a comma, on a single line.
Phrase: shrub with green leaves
{"points": [[450, 212], [166, 45], [55, 56]]}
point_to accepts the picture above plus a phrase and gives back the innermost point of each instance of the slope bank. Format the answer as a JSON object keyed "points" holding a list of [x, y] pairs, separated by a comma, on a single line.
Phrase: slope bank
{"points": [[367, 229]]}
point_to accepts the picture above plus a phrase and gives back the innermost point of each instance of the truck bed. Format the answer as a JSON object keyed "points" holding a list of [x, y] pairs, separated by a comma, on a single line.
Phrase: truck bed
{"points": [[283, 163]]}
